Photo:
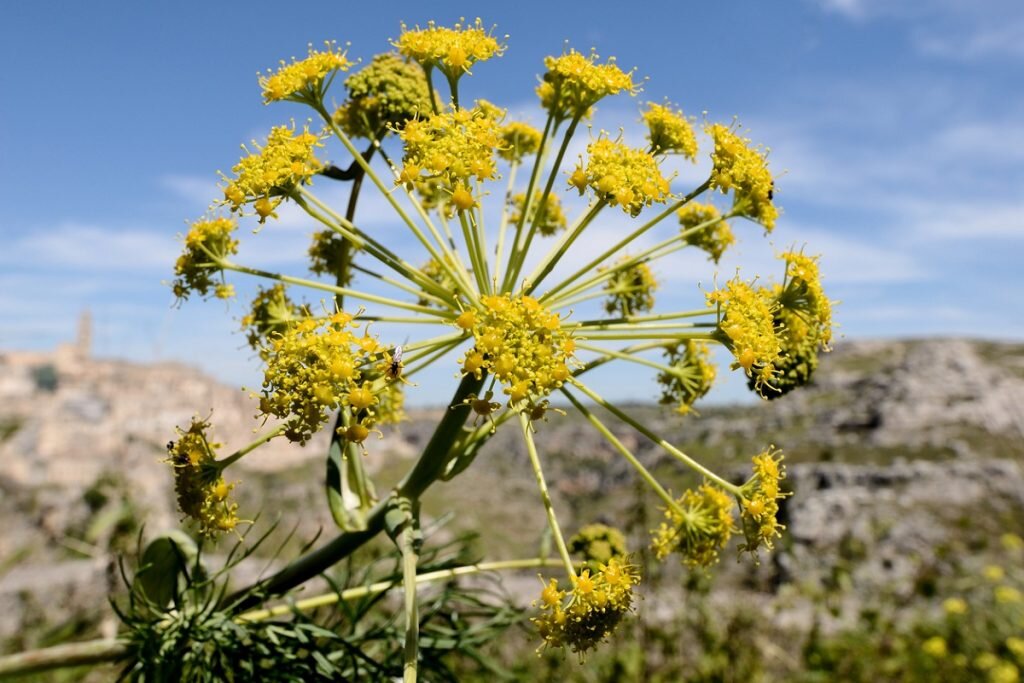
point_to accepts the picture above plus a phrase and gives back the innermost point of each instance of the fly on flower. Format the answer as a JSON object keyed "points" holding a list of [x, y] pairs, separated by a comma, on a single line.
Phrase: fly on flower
{"points": [[395, 365]]}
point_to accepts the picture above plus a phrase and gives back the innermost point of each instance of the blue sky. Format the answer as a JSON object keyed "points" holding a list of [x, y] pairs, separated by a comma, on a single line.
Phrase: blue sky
{"points": [[896, 128]]}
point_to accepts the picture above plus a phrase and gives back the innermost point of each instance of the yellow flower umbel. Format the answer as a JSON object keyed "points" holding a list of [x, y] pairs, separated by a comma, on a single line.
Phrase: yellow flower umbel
{"points": [[697, 527], [206, 241], [586, 614], [744, 170], [669, 132], [451, 50], [286, 161], [270, 314], [518, 141], [598, 544], [803, 321], [552, 219], [386, 93], [312, 369], [714, 237], [457, 146], [575, 83], [475, 286], [201, 490], [305, 80], [760, 506], [522, 344], [747, 325], [630, 290], [691, 376], [621, 176], [328, 255]]}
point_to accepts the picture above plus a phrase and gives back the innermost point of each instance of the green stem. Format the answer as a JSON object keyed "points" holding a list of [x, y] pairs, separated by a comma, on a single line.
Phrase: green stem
{"points": [[410, 558], [394, 203], [520, 254], [62, 657], [637, 465], [223, 463], [541, 149], [328, 599], [669, 448], [628, 357], [611, 251], [552, 259], [503, 224], [355, 294], [632, 319], [556, 530]]}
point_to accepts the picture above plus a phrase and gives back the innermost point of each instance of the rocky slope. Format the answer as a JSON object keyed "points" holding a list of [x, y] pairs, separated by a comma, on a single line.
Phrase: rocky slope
{"points": [[907, 445]]}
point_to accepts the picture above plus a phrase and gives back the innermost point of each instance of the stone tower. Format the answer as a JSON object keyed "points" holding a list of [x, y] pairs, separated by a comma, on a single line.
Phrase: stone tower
{"points": [[83, 341]]}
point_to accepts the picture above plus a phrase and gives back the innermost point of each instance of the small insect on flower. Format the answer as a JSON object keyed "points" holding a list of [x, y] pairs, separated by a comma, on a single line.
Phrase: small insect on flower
{"points": [[395, 366]]}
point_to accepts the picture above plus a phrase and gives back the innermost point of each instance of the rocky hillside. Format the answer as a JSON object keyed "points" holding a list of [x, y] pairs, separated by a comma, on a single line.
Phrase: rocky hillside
{"points": [[904, 443]]}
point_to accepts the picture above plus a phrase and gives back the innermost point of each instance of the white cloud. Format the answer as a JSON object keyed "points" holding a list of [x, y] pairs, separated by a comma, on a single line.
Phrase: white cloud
{"points": [[91, 248]]}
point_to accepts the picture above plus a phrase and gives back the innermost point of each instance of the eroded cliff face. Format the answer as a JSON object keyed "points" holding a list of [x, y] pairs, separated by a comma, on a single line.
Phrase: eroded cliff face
{"points": [[899, 452]]}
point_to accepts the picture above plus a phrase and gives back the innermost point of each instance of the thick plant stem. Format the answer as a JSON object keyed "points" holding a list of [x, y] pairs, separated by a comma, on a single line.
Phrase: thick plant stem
{"points": [[426, 471]]}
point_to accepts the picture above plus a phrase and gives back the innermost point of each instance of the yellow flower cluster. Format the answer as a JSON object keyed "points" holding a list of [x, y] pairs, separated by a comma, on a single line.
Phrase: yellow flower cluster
{"points": [[206, 239], [387, 93], [304, 80], [803, 323], [621, 175], [326, 255], [201, 490], [518, 140], [692, 375], [452, 50], [552, 218], [598, 543], [713, 239], [521, 343], [669, 131], [761, 495], [287, 160], [747, 325], [270, 314], [585, 615], [433, 269], [574, 83], [630, 289], [454, 145], [804, 295], [744, 169], [314, 367], [700, 527]]}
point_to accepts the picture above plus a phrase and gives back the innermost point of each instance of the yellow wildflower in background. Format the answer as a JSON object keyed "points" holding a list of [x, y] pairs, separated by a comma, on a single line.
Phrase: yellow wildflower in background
{"points": [[552, 218], [690, 376]]}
